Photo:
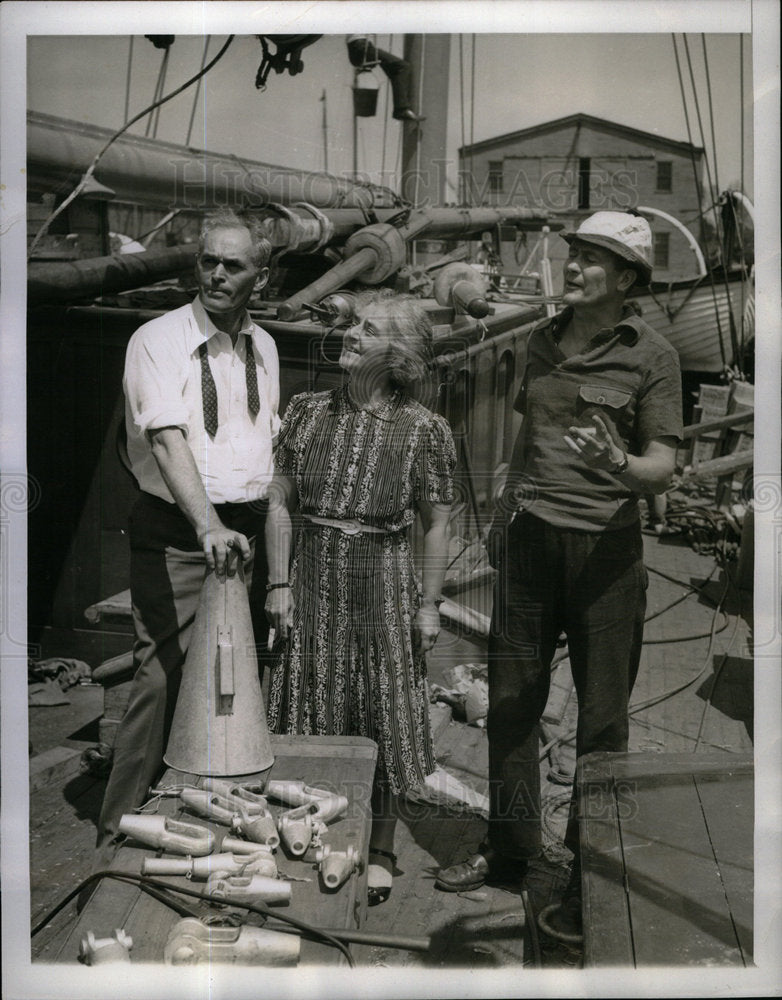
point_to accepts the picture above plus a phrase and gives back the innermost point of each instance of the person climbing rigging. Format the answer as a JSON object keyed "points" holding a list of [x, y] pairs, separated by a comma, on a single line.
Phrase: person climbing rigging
{"points": [[364, 54]]}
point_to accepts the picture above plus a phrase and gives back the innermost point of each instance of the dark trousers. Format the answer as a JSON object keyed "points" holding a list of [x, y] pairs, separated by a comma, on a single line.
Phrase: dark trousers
{"points": [[398, 71], [167, 569], [592, 585]]}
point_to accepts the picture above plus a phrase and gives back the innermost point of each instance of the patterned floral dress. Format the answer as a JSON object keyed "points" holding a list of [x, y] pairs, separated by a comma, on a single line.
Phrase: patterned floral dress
{"points": [[350, 666]]}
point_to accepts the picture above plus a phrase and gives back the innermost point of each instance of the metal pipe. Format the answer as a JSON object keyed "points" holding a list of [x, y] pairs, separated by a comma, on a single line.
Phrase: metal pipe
{"points": [[60, 281], [373, 253], [365, 937], [341, 273], [167, 175]]}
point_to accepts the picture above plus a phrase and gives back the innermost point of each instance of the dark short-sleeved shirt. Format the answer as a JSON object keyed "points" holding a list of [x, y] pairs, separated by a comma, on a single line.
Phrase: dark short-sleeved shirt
{"points": [[627, 374]]}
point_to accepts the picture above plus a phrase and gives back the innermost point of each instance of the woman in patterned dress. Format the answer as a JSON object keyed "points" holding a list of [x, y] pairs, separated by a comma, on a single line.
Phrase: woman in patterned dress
{"points": [[359, 463]]}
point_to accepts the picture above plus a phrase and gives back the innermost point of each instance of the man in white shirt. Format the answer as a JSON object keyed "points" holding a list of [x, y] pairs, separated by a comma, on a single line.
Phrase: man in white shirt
{"points": [[201, 410]]}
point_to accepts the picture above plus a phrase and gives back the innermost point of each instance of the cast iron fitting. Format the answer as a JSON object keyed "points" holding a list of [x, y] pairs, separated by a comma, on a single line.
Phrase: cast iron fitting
{"points": [[248, 888], [388, 246], [192, 942], [102, 951], [261, 863], [248, 797], [337, 866], [169, 834]]}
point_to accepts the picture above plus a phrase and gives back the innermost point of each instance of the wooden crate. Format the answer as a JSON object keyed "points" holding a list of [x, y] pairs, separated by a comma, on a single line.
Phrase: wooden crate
{"points": [[667, 858], [713, 401], [345, 765]]}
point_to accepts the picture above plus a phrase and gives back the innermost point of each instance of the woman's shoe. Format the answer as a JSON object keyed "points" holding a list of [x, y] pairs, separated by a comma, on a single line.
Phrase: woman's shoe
{"points": [[379, 876]]}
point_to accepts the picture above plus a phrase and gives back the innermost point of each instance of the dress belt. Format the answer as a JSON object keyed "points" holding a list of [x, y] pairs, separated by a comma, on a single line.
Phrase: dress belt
{"points": [[350, 527]]}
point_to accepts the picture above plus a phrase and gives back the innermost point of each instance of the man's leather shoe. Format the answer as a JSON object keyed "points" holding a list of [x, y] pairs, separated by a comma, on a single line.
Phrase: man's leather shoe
{"points": [[487, 867]]}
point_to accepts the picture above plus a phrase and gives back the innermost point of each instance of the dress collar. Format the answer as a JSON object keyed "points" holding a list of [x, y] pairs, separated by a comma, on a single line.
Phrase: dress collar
{"points": [[383, 411]]}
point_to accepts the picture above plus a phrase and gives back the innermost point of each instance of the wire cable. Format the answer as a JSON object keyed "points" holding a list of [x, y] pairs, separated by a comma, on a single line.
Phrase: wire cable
{"points": [[699, 192], [533, 929], [91, 169], [161, 76], [127, 79], [164, 73], [197, 93], [713, 188], [718, 671], [711, 112], [633, 709], [142, 880]]}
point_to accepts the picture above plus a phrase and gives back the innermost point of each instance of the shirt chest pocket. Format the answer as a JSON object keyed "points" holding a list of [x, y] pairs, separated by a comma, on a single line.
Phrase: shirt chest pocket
{"points": [[615, 406]]}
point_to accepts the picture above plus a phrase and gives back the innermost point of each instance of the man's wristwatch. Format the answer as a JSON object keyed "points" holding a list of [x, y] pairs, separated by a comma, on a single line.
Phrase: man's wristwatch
{"points": [[620, 466]]}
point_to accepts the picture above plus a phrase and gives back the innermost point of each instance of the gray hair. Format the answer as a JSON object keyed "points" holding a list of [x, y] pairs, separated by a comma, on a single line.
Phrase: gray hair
{"points": [[409, 362], [229, 218]]}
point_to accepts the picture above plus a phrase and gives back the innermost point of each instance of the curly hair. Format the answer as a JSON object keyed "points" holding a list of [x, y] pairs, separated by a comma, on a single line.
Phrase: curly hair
{"points": [[229, 218], [409, 363]]}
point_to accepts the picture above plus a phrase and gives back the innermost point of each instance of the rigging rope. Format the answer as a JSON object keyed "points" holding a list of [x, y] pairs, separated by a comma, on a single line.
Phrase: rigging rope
{"points": [[713, 188], [464, 199], [127, 79], [197, 93], [711, 113], [162, 85], [472, 106], [385, 120], [699, 192], [91, 169], [161, 76]]}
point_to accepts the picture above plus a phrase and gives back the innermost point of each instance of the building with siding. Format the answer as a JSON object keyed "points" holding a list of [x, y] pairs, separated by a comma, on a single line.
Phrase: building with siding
{"points": [[581, 164]]}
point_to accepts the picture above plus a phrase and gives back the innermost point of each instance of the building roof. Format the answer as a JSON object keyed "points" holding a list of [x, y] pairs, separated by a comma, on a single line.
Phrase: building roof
{"points": [[650, 138]]}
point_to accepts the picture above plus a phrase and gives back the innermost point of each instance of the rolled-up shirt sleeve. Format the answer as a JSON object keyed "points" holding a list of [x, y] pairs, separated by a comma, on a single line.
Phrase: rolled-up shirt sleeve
{"points": [[660, 401], [153, 383]]}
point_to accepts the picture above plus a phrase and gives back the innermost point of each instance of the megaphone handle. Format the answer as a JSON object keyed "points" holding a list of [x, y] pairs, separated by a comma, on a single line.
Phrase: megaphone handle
{"points": [[225, 651]]}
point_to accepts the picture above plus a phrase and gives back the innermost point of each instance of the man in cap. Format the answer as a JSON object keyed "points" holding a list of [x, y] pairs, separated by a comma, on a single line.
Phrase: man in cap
{"points": [[201, 411], [601, 404]]}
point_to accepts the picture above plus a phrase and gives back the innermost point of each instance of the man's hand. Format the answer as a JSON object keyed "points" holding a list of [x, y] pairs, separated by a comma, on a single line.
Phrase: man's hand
{"points": [[223, 548], [595, 445], [279, 609], [426, 626]]}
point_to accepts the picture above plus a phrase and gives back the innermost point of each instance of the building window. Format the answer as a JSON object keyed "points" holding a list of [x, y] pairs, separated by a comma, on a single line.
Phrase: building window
{"points": [[495, 176], [664, 175], [583, 181], [662, 248]]}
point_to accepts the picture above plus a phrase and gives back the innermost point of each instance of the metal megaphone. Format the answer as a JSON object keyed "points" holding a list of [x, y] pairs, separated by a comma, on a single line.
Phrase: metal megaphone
{"points": [[219, 725]]}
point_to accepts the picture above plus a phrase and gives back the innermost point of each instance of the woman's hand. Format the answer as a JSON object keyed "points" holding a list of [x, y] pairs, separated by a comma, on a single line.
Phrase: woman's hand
{"points": [[279, 610], [426, 626]]}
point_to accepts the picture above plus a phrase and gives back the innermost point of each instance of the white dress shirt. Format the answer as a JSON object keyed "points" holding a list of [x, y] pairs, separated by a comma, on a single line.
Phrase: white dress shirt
{"points": [[162, 384]]}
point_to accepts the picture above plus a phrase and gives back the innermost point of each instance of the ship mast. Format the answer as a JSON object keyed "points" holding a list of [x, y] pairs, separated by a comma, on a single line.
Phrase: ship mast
{"points": [[424, 145]]}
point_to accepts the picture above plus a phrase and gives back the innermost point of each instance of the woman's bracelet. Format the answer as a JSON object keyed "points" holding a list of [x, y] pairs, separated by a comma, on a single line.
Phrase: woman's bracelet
{"points": [[276, 586]]}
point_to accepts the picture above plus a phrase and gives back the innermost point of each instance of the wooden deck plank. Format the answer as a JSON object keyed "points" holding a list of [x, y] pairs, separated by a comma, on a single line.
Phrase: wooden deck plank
{"points": [[730, 821], [608, 936], [679, 912]]}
